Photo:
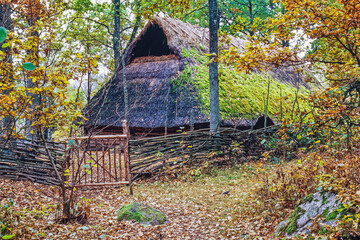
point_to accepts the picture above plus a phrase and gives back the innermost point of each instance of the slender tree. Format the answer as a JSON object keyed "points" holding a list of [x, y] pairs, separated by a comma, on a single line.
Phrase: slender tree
{"points": [[116, 34], [132, 37], [5, 21], [32, 13], [213, 68]]}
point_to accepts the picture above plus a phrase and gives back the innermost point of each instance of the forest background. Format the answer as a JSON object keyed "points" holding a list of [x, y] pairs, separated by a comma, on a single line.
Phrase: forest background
{"points": [[56, 54]]}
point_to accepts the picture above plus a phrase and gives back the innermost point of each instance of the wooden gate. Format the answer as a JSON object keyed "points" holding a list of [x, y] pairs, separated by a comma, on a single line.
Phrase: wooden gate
{"points": [[98, 160]]}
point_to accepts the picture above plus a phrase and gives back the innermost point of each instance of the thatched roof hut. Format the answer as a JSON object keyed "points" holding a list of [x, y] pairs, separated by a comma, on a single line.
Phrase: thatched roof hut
{"points": [[155, 62]]}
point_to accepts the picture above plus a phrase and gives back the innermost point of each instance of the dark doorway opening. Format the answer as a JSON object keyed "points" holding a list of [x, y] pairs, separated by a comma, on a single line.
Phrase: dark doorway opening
{"points": [[152, 43]]}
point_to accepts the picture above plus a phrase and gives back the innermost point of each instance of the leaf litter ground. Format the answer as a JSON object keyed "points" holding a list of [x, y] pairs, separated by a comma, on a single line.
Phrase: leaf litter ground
{"points": [[197, 209]]}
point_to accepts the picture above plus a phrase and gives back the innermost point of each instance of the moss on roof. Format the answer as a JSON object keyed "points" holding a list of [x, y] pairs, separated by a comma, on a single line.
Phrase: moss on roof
{"points": [[243, 95]]}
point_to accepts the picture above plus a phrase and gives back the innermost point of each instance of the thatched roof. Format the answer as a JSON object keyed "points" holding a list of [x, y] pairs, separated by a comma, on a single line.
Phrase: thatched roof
{"points": [[153, 100], [153, 63], [179, 35]]}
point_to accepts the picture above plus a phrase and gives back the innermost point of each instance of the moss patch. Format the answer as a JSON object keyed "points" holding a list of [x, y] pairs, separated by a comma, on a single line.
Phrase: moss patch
{"points": [[326, 212], [242, 95], [282, 229], [324, 200], [307, 198], [345, 212], [141, 213], [323, 231], [292, 226], [331, 216]]}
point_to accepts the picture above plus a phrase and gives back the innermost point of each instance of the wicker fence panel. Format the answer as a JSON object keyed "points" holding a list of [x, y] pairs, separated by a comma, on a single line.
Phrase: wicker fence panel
{"points": [[150, 155], [24, 159]]}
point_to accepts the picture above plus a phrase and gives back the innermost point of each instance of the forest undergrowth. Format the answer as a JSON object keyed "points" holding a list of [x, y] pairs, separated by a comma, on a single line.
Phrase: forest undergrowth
{"points": [[229, 201], [214, 203]]}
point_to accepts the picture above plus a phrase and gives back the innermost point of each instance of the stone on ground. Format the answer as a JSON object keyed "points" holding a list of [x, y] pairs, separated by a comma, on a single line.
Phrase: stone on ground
{"points": [[311, 207], [141, 213]]}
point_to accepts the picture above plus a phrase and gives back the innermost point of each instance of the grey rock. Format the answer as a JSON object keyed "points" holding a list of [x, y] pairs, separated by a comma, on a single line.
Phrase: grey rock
{"points": [[310, 208]]}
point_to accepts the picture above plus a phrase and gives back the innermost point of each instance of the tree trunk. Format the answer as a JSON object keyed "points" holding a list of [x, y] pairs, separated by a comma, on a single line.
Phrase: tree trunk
{"points": [[251, 15], [132, 37], [116, 34], [32, 131], [126, 96], [213, 67], [5, 21], [137, 21]]}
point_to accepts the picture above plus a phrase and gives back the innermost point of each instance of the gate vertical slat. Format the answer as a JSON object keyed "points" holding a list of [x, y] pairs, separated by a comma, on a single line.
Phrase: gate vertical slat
{"points": [[103, 158], [91, 160], [67, 162], [127, 172], [82, 168], [73, 161], [115, 168], [109, 151], [120, 157], [126, 151], [97, 162]]}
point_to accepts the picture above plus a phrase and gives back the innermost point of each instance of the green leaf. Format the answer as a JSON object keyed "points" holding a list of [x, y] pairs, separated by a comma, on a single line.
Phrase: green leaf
{"points": [[5, 45], [3, 34], [7, 236], [29, 66]]}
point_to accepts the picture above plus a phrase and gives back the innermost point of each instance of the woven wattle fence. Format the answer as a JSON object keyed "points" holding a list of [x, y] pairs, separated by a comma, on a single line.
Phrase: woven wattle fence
{"points": [[151, 155], [23, 159]]}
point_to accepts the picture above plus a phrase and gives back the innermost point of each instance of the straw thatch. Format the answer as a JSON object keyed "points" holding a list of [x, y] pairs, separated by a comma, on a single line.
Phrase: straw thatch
{"points": [[154, 61], [152, 98], [177, 35]]}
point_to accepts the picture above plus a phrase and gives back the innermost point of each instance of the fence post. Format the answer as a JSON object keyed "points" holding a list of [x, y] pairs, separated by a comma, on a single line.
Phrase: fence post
{"points": [[126, 132]]}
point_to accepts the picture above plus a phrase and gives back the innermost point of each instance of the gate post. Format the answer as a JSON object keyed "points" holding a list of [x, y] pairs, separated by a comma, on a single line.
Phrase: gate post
{"points": [[126, 132]]}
